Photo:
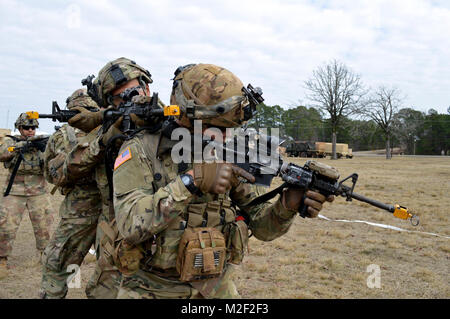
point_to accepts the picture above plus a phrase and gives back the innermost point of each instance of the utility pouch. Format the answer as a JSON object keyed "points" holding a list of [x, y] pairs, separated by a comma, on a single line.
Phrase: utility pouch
{"points": [[166, 253], [127, 258], [237, 241], [201, 254]]}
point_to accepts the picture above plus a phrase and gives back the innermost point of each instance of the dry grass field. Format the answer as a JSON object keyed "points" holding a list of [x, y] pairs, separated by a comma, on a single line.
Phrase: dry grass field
{"points": [[318, 258]]}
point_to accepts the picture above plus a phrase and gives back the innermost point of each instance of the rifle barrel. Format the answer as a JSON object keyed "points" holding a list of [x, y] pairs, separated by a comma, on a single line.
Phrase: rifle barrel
{"points": [[346, 190], [48, 116]]}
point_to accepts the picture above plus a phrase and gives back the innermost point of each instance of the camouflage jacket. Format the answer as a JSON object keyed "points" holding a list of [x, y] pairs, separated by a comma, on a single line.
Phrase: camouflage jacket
{"points": [[87, 159], [29, 180], [59, 145], [150, 200], [82, 194]]}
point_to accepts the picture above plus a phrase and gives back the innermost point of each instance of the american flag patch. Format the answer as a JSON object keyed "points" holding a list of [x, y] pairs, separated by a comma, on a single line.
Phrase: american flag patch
{"points": [[122, 158]]}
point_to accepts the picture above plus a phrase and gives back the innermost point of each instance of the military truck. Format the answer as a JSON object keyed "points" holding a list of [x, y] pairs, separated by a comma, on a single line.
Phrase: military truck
{"points": [[326, 149], [301, 149], [317, 149]]}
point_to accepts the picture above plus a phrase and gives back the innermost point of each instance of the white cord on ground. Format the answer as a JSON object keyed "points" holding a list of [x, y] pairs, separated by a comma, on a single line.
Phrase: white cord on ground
{"points": [[380, 225]]}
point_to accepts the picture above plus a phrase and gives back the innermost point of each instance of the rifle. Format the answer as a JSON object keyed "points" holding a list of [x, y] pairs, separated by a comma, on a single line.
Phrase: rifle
{"points": [[38, 143], [58, 114], [152, 112], [264, 165]]}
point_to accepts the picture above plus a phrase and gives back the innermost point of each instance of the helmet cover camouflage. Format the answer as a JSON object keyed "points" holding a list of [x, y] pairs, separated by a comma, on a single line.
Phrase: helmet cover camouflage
{"points": [[116, 73], [209, 93], [24, 120], [80, 98]]}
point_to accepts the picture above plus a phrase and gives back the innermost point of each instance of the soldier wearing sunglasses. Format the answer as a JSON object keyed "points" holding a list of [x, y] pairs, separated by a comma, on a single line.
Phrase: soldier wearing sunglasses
{"points": [[28, 192]]}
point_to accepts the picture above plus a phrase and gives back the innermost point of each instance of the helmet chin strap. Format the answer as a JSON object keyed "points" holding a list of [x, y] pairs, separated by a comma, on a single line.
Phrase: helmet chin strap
{"points": [[189, 92]]}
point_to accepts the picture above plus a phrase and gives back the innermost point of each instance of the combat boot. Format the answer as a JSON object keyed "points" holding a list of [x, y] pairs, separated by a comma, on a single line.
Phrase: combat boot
{"points": [[3, 267]]}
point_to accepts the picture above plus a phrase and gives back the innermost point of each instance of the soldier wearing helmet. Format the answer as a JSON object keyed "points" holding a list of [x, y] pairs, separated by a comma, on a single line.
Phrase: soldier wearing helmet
{"points": [[180, 225], [88, 157], [28, 192], [79, 211]]}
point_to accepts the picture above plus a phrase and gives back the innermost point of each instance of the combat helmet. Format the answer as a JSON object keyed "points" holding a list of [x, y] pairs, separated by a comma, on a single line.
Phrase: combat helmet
{"points": [[80, 98], [25, 120], [113, 75], [212, 94]]}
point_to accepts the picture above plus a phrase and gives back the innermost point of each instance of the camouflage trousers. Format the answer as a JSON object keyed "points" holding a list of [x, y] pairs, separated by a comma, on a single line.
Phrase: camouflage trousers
{"points": [[69, 245], [12, 208], [146, 285]]}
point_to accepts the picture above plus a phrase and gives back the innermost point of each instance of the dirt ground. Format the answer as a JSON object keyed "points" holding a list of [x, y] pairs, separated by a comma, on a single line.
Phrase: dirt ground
{"points": [[318, 258]]}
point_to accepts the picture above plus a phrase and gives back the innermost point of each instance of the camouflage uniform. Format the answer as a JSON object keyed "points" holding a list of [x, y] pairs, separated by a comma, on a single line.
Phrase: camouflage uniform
{"points": [[154, 208], [88, 156], [28, 192], [150, 200], [79, 211]]}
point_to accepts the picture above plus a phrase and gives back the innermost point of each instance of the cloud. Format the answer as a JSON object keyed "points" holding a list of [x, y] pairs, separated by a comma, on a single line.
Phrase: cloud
{"points": [[48, 47]]}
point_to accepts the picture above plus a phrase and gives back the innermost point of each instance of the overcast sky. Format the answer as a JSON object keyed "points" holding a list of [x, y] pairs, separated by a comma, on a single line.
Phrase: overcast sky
{"points": [[47, 47]]}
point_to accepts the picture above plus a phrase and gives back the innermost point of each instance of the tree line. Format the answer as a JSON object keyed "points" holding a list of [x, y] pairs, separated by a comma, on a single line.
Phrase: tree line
{"points": [[343, 110]]}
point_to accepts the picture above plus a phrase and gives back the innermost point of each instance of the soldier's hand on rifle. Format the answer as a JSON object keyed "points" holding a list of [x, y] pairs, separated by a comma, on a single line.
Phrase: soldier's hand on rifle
{"points": [[212, 177], [240, 172], [139, 122], [218, 178], [292, 199], [86, 120], [18, 146], [112, 131]]}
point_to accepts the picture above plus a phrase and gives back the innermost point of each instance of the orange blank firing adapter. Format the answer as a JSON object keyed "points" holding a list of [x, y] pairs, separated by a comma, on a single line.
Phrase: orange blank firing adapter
{"points": [[32, 115], [402, 213], [172, 110]]}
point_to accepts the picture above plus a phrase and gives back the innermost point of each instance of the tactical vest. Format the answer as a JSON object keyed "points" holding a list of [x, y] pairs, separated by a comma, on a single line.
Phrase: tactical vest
{"points": [[208, 212], [159, 255], [32, 162]]}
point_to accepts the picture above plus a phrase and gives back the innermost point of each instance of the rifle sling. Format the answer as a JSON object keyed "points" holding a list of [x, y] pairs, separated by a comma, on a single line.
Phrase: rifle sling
{"points": [[267, 196], [13, 175]]}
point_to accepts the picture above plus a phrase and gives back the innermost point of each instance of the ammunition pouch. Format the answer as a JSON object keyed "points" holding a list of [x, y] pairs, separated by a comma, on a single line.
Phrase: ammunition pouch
{"points": [[236, 234], [212, 214], [171, 245], [201, 254]]}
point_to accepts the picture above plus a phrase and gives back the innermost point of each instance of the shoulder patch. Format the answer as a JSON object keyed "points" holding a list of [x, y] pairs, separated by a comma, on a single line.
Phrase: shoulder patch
{"points": [[122, 158]]}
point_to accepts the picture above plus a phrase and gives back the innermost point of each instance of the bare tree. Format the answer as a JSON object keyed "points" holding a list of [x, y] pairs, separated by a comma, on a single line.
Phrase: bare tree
{"points": [[382, 106], [337, 91]]}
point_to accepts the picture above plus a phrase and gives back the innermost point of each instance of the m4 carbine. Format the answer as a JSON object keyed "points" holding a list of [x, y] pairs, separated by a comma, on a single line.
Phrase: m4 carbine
{"points": [[58, 114], [151, 110], [37, 142], [264, 164]]}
